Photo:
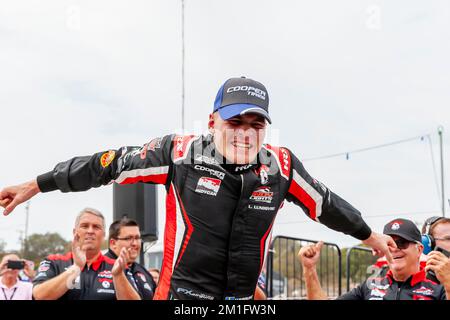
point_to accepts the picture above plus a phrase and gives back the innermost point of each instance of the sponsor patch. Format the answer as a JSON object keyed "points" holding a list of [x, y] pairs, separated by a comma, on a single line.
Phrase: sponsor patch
{"points": [[107, 158], [192, 293], [262, 194], [208, 186], [243, 167], [181, 149], [212, 172], [106, 291], [152, 146]]}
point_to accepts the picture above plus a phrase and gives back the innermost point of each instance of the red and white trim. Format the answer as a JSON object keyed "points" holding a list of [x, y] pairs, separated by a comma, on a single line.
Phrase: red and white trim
{"points": [[181, 146], [155, 175], [307, 195], [264, 245], [176, 239], [283, 158]]}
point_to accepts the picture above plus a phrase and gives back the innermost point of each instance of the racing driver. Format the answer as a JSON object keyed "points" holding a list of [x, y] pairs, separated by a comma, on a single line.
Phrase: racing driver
{"points": [[224, 190]]}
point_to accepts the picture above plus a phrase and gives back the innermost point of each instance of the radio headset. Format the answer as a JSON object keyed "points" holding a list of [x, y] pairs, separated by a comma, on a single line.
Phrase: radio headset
{"points": [[427, 239]]}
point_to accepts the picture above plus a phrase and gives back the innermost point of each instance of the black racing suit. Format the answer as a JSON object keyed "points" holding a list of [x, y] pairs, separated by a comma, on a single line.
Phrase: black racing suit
{"points": [[385, 287], [218, 217]]}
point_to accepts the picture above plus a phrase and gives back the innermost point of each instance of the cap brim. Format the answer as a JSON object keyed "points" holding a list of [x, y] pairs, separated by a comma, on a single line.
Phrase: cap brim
{"points": [[401, 235], [234, 110]]}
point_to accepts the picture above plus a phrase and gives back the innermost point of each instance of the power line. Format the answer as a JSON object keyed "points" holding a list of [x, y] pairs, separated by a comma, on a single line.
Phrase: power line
{"points": [[433, 212], [434, 167], [347, 154]]}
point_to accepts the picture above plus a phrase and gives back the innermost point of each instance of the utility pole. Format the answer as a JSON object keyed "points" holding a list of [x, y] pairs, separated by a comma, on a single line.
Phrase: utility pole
{"points": [[440, 132], [182, 66]]}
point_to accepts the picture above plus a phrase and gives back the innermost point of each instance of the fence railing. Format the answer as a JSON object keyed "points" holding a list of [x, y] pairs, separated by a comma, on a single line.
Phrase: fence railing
{"points": [[358, 261], [284, 272]]}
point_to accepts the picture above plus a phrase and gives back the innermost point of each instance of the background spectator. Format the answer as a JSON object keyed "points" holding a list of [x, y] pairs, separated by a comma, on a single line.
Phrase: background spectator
{"points": [[404, 280], [11, 286], [155, 274], [84, 273], [124, 234]]}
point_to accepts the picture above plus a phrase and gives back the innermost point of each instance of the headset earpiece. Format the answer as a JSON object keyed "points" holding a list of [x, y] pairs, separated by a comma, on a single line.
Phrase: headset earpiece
{"points": [[427, 239]]}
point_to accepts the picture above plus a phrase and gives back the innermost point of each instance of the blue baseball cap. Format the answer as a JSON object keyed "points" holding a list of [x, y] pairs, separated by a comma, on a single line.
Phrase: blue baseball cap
{"points": [[238, 96]]}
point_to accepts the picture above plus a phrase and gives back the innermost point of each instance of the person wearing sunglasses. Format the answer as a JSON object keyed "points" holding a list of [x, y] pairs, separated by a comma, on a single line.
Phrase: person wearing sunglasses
{"points": [[405, 280], [125, 234]]}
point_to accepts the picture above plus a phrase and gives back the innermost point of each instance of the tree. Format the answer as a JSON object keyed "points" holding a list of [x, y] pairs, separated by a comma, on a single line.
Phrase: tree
{"points": [[2, 248], [40, 246]]}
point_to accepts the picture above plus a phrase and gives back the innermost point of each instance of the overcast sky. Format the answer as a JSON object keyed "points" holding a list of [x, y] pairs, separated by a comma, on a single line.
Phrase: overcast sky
{"points": [[77, 77]]}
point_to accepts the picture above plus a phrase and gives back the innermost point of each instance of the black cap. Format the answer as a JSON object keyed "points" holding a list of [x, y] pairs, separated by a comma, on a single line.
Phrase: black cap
{"points": [[403, 228], [238, 96]]}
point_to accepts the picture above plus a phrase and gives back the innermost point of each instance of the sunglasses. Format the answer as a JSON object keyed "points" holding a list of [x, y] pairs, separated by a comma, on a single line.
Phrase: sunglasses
{"points": [[402, 243]]}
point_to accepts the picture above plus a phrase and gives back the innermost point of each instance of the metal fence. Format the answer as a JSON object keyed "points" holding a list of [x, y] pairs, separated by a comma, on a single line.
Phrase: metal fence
{"points": [[285, 274], [358, 263]]}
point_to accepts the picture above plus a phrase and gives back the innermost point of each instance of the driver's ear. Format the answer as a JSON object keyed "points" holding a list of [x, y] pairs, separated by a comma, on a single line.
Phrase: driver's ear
{"points": [[211, 123]]}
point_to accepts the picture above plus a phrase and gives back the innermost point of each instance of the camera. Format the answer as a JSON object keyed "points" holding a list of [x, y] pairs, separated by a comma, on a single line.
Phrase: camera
{"points": [[16, 264]]}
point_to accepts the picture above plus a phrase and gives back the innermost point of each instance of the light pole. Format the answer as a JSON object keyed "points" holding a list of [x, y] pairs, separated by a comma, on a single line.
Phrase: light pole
{"points": [[182, 65], [440, 132], [25, 238]]}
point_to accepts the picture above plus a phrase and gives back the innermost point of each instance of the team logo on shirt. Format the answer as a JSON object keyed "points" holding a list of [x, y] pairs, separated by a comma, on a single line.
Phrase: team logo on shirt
{"points": [[423, 291], [140, 275], [208, 186], [378, 292], [105, 275], [107, 158], [44, 266]]}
